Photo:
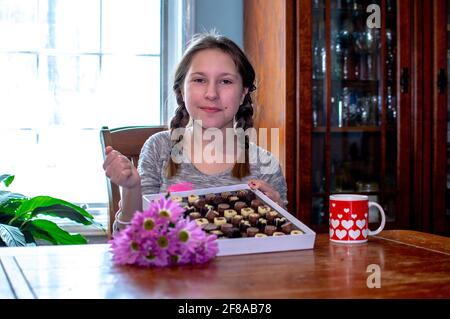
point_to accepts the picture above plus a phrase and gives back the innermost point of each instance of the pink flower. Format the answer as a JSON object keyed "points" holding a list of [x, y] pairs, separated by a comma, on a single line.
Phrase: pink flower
{"points": [[127, 249], [161, 236]]}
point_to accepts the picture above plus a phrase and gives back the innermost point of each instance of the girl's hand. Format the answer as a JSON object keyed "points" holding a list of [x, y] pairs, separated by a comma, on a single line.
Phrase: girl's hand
{"points": [[267, 190], [120, 170]]}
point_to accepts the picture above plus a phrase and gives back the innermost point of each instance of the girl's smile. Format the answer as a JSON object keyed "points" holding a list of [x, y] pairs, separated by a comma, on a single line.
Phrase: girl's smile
{"points": [[209, 109]]}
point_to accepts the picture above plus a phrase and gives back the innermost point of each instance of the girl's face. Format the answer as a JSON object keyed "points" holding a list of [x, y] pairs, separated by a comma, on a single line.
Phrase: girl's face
{"points": [[212, 90]]}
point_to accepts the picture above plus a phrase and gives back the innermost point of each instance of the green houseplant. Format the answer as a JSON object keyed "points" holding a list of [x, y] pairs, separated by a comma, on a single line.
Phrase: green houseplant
{"points": [[21, 225]]}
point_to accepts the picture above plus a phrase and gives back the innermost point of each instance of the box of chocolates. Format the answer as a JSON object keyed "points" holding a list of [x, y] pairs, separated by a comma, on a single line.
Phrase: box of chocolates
{"points": [[245, 221]]}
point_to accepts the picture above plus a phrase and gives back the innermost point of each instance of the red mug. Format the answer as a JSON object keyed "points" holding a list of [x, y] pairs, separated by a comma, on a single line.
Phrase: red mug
{"points": [[349, 221]]}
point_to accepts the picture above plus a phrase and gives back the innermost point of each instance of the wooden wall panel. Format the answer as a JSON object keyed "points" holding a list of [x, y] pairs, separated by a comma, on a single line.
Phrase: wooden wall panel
{"points": [[269, 40]]}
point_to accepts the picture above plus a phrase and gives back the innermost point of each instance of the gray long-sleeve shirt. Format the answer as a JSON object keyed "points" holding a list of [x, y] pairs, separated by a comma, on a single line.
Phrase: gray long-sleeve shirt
{"points": [[157, 149]]}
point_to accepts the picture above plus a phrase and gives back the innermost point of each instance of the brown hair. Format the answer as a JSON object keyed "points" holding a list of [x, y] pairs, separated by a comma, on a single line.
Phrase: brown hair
{"points": [[244, 115]]}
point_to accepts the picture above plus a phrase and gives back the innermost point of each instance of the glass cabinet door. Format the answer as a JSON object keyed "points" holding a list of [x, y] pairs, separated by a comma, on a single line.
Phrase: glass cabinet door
{"points": [[354, 135]]}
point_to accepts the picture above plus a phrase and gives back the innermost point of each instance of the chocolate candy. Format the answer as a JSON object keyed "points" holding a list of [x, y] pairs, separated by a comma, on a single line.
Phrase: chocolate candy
{"points": [[269, 230], [246, 195], [217, 200], [222, 207], [242, 194], [270, 216], [261, 224], [192, 198], [194, 215], [211, 215], [287, 227], [233, 199], [253, 218], [218, 233], [263, 210], [235, 232], [208, 207], [209, 198], [209, 227], [225, 195], [259, 235], [244, 225], [278, 233], [201, 221], [252, 231], [176, 198], [220, 221], [256, 203], [229, 214], [225, 228], [279, 221], [239, 205], [236, 220], [199, 203], [246, 211]]}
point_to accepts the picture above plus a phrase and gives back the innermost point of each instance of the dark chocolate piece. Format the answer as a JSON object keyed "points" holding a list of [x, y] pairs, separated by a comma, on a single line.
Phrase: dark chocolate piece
{"points": [[252, 231], [287, 228], [269, 230], [211, 215], [256, 203], [222, 207], [239, 205]]}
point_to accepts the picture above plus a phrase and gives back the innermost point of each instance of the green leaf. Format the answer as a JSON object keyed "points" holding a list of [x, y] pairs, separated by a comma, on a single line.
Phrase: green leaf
{"points": [[54, 207], [49, 231], [12, 236], [6, 179], [10, 200]]}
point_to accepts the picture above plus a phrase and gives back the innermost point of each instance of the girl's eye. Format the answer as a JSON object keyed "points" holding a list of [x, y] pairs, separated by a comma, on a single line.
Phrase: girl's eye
{"points": [[226, 81], [198, 80]]}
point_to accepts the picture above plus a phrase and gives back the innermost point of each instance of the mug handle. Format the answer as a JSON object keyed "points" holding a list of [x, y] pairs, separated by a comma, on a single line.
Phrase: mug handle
{"points": [[383, 219]]}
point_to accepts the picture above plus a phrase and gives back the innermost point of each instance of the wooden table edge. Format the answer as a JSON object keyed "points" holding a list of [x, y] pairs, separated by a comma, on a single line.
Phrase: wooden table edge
{"points": [[430, 242]]}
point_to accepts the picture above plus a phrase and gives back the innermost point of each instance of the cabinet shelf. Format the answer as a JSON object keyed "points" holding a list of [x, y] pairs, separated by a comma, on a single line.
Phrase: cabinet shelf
{"points": [[354, 129], [367, 85]]}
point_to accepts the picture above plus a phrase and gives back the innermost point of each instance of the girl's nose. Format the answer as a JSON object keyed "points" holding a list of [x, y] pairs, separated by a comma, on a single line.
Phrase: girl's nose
{"points": [[211, 91]]}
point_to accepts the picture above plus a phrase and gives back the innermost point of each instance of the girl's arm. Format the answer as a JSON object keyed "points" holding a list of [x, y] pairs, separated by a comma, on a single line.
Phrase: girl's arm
{"points": [[122, 172]]}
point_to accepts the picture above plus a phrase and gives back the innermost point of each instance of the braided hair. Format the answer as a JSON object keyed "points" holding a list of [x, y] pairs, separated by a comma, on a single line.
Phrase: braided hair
{"points": [[244, 116]]}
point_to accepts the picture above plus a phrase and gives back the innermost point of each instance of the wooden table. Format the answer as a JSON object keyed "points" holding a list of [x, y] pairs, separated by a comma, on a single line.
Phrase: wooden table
{"points": [[411, 264]]}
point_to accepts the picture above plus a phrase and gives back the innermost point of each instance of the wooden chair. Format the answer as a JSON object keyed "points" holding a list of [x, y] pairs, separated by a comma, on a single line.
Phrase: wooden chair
{"points": [[128, 141]]}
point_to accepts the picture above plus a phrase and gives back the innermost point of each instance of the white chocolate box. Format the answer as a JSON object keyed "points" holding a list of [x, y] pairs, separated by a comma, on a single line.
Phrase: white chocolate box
{"points": [[246, 245]]}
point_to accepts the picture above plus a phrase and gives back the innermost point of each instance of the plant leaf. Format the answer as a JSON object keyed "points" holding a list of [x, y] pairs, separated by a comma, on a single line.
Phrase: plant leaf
{"points": [[6, 179], [9, 201], [12, 236], [54, 207], [49, 231]]}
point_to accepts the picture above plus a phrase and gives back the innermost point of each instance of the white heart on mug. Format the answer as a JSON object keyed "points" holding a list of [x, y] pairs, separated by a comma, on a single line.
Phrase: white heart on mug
{"points": [[347, 223], [354, 233], [365, 232], [361, 223], [354, 216], [341, 233], [339, 216], [346, 210], [333, 204], [331, 232], [334, 223]]}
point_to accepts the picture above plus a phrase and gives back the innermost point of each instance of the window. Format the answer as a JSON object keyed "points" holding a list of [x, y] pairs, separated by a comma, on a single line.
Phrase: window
{"points": [[69, 67]]}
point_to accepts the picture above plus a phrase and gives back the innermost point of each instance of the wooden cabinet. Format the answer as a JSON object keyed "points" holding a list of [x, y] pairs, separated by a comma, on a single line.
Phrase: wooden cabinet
{"points": [[350, 82]]}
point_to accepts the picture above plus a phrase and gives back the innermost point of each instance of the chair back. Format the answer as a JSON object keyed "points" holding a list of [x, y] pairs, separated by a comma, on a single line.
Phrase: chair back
{"points": [[128, 141]]}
